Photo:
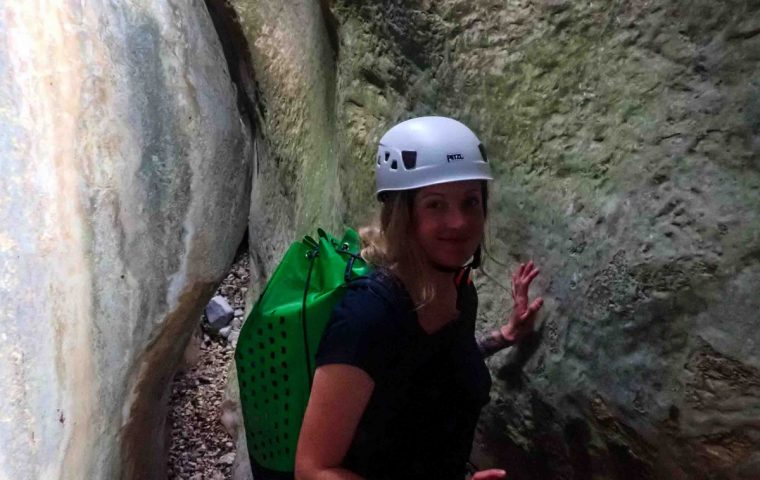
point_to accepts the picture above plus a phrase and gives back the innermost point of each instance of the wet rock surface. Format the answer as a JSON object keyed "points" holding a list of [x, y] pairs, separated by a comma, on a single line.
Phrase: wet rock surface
{"points": [[201, 446]]}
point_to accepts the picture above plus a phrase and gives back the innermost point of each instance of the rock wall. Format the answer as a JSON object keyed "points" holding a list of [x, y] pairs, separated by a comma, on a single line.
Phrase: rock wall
{"points": [[295, 185], [625, 137], [124, 193]]}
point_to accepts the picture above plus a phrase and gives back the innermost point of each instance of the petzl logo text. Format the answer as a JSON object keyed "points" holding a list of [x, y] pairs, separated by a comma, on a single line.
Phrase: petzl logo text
{"points": [[454, 156]]}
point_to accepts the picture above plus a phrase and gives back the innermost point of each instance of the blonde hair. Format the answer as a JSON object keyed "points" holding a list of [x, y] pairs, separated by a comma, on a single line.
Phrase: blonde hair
{"points": [[388, 243]]}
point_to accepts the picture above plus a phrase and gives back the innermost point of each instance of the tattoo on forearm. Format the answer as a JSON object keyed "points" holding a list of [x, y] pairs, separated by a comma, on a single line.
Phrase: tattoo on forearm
{"points": [[492, 343]]}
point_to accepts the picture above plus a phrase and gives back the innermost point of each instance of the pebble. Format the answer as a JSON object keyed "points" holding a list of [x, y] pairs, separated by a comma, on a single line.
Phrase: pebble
{"points": [[219, 313]]}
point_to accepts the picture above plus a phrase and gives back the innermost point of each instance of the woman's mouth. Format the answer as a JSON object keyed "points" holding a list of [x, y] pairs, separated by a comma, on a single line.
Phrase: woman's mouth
{"points": [[454, 240]]}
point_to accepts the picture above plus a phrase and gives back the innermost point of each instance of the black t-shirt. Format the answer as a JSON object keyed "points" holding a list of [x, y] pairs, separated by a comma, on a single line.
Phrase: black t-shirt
{"points": [[429, 388]]}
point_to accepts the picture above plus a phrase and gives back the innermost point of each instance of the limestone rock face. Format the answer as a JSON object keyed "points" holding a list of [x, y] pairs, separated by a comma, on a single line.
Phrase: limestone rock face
{"points": [[295, 186], [124, 193], [625, 137]]}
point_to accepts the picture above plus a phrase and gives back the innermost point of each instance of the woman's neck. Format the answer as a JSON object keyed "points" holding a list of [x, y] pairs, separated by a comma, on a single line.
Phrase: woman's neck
{"points": [[441, 310], [441, 281]]}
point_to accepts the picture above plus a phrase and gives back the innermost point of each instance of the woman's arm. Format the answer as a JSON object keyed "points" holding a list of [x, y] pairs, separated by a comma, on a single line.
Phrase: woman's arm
{"points": [[492, 343], [339, 395], [523, 314]]}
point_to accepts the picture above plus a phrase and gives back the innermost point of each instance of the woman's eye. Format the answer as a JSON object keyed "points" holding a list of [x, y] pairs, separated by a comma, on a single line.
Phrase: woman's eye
{"points": [[434, 205], [472, 202]]}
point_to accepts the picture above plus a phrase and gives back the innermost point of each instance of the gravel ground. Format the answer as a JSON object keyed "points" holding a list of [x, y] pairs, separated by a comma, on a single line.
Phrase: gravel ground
{"points": [[201, 449]]}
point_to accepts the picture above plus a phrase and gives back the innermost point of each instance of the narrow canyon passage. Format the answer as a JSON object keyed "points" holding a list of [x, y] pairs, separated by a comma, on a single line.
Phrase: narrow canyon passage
{"points": [[201, 446], [140, 141]]}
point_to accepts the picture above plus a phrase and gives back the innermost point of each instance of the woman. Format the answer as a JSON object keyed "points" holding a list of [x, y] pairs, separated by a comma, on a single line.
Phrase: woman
{"points": [[401, 379]]}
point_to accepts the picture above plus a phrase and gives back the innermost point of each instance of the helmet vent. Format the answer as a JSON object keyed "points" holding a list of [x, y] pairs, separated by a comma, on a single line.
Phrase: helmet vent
{"points": [[483, 152], [387, 156], [409, 158], [394, 165], [379, 157]]}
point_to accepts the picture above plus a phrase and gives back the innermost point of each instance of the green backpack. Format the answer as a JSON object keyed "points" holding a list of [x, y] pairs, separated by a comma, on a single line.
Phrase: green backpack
{"points": [[277, 345]]}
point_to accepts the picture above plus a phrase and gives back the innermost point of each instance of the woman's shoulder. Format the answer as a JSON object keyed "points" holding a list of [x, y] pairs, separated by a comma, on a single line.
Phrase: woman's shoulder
{"points": [[376, 304], [381, 288], [370, 317]]}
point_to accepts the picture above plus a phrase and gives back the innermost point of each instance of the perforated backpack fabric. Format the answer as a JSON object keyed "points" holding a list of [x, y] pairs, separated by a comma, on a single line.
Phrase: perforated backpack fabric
{"points": [[275, 353]]}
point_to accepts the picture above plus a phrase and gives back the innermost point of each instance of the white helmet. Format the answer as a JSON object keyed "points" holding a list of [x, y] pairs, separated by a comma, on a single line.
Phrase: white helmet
{"points": [[429, 150]]}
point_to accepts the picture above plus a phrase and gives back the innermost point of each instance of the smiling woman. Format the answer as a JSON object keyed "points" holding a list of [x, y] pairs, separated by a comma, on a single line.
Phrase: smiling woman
{"points": [[401, 379], [448, 222]]}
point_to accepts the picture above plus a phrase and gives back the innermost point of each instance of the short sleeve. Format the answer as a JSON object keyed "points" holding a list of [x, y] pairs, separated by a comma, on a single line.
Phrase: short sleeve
{"points": [[360, 331]]}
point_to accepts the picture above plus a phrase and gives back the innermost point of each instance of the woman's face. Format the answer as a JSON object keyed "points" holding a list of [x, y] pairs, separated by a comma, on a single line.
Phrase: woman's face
{"points": [[448, 221]]}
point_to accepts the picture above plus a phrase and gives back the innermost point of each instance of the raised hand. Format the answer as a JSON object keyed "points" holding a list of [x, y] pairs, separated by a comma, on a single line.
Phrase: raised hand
{"points": [[523, 313]]}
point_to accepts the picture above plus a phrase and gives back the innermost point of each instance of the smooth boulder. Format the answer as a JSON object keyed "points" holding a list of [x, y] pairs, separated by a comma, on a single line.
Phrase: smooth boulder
{"points": [[124, 194]]}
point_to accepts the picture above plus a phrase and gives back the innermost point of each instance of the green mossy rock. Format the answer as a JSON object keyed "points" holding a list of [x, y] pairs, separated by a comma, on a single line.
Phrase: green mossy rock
{"points": [[625, 137]]}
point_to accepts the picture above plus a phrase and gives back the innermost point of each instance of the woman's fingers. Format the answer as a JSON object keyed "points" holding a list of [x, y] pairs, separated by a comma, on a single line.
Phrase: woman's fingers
{"points": [[521, 281], [524, 269], [532, 308], [533, 274], [536, 305], [522, 318], [523, 277]]}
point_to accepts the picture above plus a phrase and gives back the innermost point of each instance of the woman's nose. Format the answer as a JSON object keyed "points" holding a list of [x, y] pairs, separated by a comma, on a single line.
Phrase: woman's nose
{"points": [[456, 218]]}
